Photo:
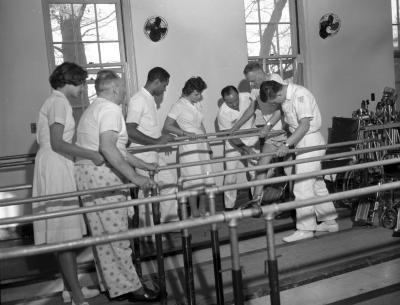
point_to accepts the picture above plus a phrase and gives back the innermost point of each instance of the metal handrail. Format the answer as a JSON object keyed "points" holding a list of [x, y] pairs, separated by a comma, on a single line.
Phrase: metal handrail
{"points": [[110, 188], [190, 223], [252, 156], [181, 194]]}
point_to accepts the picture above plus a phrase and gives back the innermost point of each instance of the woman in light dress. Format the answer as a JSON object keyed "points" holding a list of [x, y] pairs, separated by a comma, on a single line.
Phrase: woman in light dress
{"points": [[54, 173], [186, 119]]}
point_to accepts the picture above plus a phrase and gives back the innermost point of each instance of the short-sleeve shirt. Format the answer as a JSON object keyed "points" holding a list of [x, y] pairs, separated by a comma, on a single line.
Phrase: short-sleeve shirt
{"points": [[187, 115], [101, 116], [300, 103], [263, 107], [142, 110], [227, 117], [56, 109]]}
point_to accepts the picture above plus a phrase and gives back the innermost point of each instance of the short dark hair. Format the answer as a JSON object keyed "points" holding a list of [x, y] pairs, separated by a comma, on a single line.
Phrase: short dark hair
{"points": [[103, 78], [252, 66], [67, 73], [228, 90], [158, 73], [269, 90], [194, 84]]}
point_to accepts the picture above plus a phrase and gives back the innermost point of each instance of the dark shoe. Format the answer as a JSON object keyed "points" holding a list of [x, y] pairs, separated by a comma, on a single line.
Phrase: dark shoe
{"points": [[146, 296]]}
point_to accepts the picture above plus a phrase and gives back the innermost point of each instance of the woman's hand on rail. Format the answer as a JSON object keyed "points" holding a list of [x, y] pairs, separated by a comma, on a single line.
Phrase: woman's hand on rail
{"points": [[144, 182], [152, 167], [98, 158], [282, 150]]}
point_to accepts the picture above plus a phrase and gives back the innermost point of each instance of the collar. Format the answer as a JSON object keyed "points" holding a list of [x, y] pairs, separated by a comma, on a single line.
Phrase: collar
{"points": [[146, 92]]}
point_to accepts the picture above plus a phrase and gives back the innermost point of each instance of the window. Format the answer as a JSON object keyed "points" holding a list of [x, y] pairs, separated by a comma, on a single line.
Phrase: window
{"points": [[271, 29], [89, 33], [396, 43]]}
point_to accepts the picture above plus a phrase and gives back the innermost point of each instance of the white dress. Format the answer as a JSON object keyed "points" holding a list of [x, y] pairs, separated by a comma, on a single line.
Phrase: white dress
{"points": [[189, 117], [54, 173]]}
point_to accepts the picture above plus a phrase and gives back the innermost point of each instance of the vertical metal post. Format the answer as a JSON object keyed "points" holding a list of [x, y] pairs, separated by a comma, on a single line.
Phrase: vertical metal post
{"points": [[136, 241], [187, 256], [272, 262], [216, 253], [236, 270], [155, 207]]}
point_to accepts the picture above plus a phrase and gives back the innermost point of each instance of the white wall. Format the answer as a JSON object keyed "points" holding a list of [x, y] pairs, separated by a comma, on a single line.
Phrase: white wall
{"points": [[23, 81], [344, 69], [202, 40]]}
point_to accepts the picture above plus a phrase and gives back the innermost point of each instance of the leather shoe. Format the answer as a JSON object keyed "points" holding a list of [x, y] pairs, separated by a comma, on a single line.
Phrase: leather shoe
{"points": [[143, 295]]}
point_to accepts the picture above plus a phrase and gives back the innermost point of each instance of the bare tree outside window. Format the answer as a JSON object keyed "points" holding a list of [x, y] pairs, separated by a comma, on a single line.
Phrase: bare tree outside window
{"points": [[88, 34], [271, 35]]}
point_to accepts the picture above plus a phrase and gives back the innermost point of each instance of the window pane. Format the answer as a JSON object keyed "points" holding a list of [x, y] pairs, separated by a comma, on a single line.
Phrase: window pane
{"points": [[285, 39], [92, 53], [61, 18], [107, 21], [58, 55], [395, 13], [87, 23], [274, 11], [110, 52], [266, 9], [65, 51], [253, 40], [251, 10], [91, 92], [395, 37]]}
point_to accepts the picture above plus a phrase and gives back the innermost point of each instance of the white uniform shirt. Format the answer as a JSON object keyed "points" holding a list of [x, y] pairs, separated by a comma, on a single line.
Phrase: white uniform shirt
{"points": [[300, 103], [264, 108], [56, 109], [142, 110], [188, 116], [227, 117], [102, 115]]}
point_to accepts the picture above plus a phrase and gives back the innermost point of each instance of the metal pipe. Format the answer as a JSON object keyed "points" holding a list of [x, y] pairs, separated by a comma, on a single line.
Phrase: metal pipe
{"points": [[273, 274], [288, 163], [155, 207], [137, 149], [26, 156], [219, 287], [187, 255], [260, 167], [190, 223], [136, 241], [30, 218], [236, 269], [16, 163], [221, 133], [256, 156], [15, 188]]}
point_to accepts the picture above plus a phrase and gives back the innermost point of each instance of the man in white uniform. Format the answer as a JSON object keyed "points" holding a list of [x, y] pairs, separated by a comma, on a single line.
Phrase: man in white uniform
{"points": [[255, 75], [235, 104], [301, 113], [144, 129]]}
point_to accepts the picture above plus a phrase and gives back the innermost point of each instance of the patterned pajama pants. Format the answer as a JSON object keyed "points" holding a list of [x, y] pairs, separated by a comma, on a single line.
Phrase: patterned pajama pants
{"points": [[113, 260]]}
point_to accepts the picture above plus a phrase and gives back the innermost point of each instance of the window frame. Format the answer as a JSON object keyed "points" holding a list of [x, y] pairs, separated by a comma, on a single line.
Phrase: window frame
{"points": [[266, 60], [126, 65]]}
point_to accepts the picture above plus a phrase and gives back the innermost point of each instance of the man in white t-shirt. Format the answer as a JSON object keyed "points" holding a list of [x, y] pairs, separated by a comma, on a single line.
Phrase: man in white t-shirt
{"points": [[301, 113], [232, 109], [255, 74], [144, 129]]}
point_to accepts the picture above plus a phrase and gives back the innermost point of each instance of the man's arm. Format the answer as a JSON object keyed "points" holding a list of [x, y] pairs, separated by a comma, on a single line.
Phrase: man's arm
{"points": [[276, 116], [245, 117], [297, 135], [137, 136]]}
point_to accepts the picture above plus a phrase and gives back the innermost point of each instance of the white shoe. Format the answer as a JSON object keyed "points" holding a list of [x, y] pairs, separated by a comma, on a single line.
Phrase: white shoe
{"points": [[298, 235], [327, 227], [87, 294]]}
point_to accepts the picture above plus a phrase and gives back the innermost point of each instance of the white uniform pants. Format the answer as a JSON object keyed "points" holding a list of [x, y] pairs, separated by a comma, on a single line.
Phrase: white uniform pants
{"points": [[230, 196], [306, 217], [168, 209]]}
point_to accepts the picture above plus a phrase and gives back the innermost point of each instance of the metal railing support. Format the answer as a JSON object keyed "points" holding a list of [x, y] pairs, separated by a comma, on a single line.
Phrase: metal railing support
{"points": [[219, 287], [237, 281], [155, 207], [136, 241], [273, 274], [187, 255]]}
